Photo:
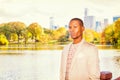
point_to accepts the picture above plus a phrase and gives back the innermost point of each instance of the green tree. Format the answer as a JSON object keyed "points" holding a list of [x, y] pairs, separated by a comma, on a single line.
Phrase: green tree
{"points": [[64, 38], [47, 31], [6, 30]]}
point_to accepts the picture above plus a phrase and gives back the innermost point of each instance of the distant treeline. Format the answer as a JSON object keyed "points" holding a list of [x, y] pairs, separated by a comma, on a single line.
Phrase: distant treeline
{"points": [[18, 32]]}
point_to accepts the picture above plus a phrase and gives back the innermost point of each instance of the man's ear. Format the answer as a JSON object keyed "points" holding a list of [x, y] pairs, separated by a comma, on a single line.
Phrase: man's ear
{"points": [[83, 28]]}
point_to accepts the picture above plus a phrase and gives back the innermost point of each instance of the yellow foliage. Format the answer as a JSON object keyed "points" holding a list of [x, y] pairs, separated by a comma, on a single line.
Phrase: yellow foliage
{"points": [[62, 30], [43, 38], [56, 35], [109, 29], [112, 32], [17, 25], [117, 25], [35, 29], [14, 37], [116, 35], [29, 34], [59, 32], [3, 40], [90, 35]]}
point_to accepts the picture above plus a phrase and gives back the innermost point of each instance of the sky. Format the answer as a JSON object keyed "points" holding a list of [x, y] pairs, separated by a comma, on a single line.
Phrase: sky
{"points": [[29, 11]]}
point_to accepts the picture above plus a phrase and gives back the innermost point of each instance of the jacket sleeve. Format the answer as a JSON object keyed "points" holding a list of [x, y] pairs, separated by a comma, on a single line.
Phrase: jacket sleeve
{"points": [[93, 64]]}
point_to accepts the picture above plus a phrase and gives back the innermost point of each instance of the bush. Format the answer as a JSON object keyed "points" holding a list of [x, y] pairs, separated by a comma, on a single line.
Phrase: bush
{"points": [[63, 38], [3, 40]]}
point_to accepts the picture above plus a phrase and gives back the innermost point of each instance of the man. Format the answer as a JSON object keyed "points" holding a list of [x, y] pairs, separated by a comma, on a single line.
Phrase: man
{"points": [[79, 59]]}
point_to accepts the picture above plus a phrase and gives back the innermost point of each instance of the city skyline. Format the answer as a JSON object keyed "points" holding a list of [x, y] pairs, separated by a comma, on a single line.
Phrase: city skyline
{"points": [[62, 10]]}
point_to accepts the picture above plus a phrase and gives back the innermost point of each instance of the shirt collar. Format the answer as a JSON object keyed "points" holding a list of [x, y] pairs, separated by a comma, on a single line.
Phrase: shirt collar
{"points": [[80, 43]]}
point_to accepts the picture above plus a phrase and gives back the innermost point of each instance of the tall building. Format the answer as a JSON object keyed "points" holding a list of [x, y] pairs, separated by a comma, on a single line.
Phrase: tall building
{"points": [[115, 18], [89, 21], [66, 26], [52, 23], [86, 12], [105, 22], [98, 26]]}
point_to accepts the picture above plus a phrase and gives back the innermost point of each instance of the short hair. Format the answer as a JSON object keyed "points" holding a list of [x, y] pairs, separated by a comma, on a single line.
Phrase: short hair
{"points": [[79, 20]]}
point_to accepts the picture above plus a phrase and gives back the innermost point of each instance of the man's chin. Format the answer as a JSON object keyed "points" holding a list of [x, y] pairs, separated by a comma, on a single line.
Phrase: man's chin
{"points": [[73, 37]]}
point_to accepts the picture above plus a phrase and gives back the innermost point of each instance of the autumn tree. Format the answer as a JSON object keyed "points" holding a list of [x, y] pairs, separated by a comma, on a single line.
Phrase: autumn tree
{"points": [[91, 36], [56, 34], [6, 30], [3, 40], [36, 30], [109, 34], [17, 27], [64, 38], [112, 33], [117, 31], [27, 35], [14, 37], [47, 31]]}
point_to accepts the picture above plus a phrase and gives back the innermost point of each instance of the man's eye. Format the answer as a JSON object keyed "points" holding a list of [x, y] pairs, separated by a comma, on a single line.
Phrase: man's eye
{"points": [[69, 27]]}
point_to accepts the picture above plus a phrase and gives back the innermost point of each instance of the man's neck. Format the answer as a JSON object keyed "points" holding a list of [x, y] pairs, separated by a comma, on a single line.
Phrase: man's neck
{"points": [[75, 41]]}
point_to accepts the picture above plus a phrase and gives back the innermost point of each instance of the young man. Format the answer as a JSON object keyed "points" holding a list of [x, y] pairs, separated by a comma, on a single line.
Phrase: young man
{"points": [[80, 60]]}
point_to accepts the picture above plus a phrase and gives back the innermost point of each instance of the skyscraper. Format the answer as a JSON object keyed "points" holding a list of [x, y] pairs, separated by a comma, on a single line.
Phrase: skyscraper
{"points": [[52, 23], [86, 12], [105, 22], [89, 21], [98, 26], [115, 18]]}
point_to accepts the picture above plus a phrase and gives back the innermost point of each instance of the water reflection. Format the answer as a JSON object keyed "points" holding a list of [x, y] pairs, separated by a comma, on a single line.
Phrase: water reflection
{"points": [[32, 47], [108, 62], [45, 64], [117, 60], [31, 65]]}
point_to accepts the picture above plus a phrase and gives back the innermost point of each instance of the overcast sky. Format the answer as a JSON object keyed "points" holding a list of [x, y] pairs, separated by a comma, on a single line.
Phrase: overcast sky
{"points": [[40, 11]]}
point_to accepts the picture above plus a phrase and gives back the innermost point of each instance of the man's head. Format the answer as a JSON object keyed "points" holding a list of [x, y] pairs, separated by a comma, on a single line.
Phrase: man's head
{"points": [[76, 28]]}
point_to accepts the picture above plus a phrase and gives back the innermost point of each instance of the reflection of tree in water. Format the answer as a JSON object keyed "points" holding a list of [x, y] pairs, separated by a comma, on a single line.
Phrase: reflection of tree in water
{"points": [[117, 60]]}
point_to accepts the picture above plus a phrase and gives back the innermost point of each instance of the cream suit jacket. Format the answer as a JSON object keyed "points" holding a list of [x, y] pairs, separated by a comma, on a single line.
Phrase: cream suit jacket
{"points": [[84, 65]]}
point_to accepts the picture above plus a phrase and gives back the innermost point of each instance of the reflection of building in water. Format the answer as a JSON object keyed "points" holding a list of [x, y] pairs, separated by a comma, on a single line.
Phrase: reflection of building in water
{"points": [[115, 18]]}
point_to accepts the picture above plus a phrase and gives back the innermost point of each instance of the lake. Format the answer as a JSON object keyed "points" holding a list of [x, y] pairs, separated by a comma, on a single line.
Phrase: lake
{"points": [[45, 64]]}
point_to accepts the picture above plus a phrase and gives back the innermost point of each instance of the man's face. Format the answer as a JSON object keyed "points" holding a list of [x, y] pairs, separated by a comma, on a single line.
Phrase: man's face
{"points": [[75, 29]]}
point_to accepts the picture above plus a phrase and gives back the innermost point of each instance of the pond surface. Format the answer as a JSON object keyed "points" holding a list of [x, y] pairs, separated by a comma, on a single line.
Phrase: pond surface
{"points": [[45, 64]]}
